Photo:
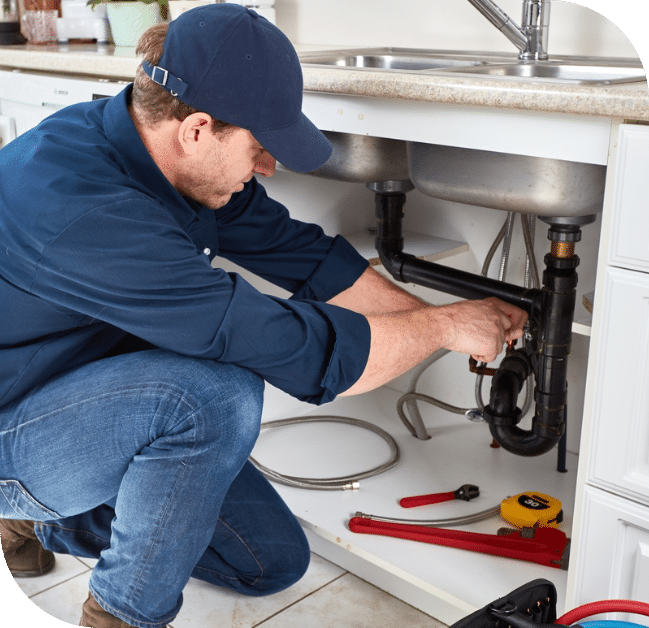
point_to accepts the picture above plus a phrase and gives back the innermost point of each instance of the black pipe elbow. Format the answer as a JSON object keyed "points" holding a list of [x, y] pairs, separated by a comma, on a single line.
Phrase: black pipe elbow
{"points": [[502, 411], [507, 383], [503, 415], [521, 442]]}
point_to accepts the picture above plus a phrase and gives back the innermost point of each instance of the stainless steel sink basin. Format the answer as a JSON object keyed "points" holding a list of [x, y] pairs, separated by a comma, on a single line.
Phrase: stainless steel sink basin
{"points": [[545, 187], [364, 159], [561, 72], [530, 185], [564, 69], [400, 59]]}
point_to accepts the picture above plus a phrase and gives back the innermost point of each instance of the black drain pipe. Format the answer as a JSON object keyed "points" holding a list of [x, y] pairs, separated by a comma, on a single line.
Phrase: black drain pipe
{"points": [[409, 269], [551, 312]]}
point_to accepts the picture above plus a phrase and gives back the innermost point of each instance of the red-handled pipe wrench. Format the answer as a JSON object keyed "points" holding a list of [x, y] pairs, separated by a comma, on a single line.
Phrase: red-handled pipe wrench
{"points": [[466, 492], [545, 546]]}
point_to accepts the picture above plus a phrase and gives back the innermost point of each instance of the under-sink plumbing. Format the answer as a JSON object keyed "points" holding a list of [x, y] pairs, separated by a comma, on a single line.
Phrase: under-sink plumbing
{"points": [[531, 38], [545, 354], [547, 346]]}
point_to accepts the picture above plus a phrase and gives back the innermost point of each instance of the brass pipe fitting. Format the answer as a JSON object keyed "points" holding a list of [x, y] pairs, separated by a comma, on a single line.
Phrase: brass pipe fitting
{"points": [[562, 250]]}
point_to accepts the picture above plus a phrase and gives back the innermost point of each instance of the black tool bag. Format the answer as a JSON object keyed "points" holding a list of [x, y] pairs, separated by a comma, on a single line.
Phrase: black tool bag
{"points": [[529, 606]]}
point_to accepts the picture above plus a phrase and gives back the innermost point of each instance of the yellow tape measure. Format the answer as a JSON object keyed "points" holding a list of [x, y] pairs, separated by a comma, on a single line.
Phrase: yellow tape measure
{"points": [[527, 510]]}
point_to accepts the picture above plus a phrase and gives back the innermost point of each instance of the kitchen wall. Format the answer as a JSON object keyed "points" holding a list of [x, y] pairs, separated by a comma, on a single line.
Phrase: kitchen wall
{"points": [[449, 24]]}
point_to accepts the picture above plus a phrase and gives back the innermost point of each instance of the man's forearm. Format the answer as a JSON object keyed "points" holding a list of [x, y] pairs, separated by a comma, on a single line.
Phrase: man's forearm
{"points": [[401, 340], [374, 294]]}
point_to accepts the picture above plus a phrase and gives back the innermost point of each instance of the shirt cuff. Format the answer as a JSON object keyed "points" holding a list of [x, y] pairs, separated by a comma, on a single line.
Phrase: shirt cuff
{"points": [[340, 269], [350, 353]]}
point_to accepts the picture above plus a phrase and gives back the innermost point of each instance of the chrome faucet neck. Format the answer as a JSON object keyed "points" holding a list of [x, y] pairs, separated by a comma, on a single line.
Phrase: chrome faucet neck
{"points": [[530, 38], [536, 24]]}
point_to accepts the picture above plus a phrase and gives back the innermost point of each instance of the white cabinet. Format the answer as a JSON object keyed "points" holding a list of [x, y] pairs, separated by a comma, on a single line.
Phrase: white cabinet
{"points": [[26, 98], [630, 220], [616, 563], [611, 554], [619, 455]]}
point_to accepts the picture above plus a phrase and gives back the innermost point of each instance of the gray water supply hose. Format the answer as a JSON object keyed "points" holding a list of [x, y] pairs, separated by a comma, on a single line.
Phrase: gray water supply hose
{"points": [[349, 482], [439, 523]]}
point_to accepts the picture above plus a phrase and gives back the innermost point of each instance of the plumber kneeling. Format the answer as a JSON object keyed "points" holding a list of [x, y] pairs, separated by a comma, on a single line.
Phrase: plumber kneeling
{"points": [[132, 368]]}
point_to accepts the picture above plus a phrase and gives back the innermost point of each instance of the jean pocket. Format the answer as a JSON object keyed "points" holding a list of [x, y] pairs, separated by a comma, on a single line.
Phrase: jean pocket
{"points": [[17, 503]]}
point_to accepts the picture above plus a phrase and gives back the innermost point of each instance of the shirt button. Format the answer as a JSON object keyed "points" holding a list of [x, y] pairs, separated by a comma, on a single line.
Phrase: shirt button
{"points": [[207, 251]]}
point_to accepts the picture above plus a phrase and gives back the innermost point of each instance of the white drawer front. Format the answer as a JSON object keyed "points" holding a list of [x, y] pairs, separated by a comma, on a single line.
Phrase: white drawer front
{"points": [[612, 557], [630, 226], [619, 458]]}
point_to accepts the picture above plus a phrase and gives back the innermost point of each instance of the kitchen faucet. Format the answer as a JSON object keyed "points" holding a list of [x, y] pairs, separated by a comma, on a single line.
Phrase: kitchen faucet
{"points": [[530, 38]]}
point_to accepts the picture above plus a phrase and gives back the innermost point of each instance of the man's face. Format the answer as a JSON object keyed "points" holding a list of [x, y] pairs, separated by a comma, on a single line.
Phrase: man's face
{"points": [[223, 164]]}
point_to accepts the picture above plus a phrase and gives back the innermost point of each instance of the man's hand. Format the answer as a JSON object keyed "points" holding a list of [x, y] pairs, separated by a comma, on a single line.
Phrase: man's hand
{"points": [[405, 330], [480, 328]]}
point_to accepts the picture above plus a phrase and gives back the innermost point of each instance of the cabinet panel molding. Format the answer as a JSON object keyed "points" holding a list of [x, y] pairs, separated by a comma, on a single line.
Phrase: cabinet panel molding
{"points": [[631, 200], [619, 457]]}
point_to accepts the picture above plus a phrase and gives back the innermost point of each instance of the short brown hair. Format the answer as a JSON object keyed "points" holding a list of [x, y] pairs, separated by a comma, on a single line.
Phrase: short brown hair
{"points": [[153, 102]]}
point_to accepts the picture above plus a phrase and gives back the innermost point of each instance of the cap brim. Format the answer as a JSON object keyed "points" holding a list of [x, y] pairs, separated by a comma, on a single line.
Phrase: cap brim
{"points": [[300, 147]]}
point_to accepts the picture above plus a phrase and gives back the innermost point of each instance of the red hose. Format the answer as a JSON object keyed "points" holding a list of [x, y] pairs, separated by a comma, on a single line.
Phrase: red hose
{"points": [[605, 606]]}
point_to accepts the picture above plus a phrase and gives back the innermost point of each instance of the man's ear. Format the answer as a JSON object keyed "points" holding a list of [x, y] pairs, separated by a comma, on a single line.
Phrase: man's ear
{"points": [[193, 131]]}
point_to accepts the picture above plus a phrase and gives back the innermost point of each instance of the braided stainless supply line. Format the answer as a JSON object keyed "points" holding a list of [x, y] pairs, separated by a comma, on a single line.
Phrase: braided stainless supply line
{"points": [[350, 482]]}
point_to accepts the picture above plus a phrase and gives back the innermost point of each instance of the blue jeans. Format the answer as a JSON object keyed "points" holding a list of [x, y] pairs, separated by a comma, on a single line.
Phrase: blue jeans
{"points": [[140, 460]]}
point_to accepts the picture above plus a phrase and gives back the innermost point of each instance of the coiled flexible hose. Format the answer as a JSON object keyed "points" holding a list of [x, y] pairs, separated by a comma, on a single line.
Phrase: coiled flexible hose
{"points": [[349, 482]]}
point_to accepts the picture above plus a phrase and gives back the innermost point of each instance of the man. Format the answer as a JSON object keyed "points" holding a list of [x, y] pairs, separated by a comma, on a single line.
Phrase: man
{"points": [[131, 371]]}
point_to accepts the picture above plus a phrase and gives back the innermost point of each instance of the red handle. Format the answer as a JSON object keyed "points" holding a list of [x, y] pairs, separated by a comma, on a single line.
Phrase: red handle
{"points": [[424, 500]]}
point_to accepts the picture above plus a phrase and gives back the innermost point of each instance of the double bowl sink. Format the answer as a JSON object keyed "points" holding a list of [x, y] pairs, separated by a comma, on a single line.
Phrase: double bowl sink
{"points": [[533, 185], [564, 70]]}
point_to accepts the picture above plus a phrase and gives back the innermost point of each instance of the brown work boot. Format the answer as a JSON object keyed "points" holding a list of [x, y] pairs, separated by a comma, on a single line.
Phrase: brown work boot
{"points": [[25, 555], [95, 616]]}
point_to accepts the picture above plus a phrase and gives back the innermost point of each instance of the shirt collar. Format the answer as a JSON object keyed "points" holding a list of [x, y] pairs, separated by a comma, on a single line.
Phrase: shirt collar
{"points": [[122, 134]]}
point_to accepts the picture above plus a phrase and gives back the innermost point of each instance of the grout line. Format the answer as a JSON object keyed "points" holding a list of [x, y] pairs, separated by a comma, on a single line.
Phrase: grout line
{"points": [[31, 597], [263, 621]]}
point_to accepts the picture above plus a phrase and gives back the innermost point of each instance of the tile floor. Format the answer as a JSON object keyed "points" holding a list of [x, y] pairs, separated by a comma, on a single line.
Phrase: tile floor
{"points": [[327, 597]]}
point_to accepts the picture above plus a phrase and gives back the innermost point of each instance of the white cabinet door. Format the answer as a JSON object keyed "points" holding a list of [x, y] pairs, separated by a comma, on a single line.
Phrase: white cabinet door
{"points": [[619, 456], [613, 552], [630, 225]]}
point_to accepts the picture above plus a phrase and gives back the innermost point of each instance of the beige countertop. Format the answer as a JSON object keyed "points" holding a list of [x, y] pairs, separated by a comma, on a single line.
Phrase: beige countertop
{"points": [[627, 100]]}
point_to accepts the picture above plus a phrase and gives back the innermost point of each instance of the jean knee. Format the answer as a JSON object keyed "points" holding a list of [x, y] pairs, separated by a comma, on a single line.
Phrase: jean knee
{"points": [[285, 571], [235, 408], [208, 402], [229, 405], [287, 566], [297, 563]]}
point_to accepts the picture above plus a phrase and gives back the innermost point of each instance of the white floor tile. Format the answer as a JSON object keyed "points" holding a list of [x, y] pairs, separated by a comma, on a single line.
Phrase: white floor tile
{"points": [[352, 603], [327, 597], [206, 606], [65, 600], [89, 562], [65, 567]]}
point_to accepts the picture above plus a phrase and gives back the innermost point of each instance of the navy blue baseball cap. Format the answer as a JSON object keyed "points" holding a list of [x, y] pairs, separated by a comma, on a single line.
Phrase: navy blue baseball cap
{"points": [[236, 66]]}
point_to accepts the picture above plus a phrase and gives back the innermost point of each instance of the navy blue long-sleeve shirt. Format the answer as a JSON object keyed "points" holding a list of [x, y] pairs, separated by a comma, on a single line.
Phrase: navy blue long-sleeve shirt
{"points": [[96, 244]]}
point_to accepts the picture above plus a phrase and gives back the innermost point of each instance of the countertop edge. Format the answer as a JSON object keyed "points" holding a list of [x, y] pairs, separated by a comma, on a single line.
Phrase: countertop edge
{"points": [[626, 101], [619, 101]]}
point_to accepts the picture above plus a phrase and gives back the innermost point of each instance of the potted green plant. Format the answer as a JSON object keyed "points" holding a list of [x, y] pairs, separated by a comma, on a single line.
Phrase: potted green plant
{"points": [[129, 19]]}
